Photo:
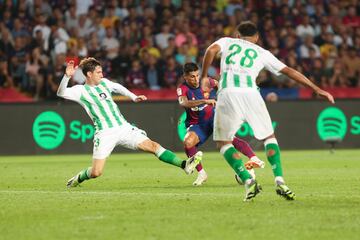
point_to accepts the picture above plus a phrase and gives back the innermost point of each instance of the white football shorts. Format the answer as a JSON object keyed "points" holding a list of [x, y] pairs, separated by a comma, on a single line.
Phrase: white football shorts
{"points": [[234, 107], [125, 135]]}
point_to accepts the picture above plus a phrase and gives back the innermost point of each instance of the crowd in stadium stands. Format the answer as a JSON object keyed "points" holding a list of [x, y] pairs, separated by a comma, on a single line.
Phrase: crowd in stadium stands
{"points": [[143, 44]]}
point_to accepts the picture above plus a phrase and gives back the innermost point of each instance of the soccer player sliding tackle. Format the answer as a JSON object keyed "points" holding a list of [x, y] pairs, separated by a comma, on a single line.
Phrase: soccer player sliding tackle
{"points": [[239, 100], [199, 106], [111, 128]]}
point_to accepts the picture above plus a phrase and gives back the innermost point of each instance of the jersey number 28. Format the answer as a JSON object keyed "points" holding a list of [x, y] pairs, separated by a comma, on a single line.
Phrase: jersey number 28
{"points": [[245, 61]]}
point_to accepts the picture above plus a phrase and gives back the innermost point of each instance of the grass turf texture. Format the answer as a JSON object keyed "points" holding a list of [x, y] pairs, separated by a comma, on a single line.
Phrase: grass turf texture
{"points": [[139, 197]]}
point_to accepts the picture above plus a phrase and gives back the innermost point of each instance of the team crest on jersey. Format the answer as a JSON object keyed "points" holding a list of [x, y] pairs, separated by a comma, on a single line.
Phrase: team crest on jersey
{"points": [[103, 95], [206, 94]]}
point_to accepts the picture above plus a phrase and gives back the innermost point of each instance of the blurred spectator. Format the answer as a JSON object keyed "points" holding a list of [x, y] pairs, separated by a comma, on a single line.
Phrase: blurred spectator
{"points": [[161, 39], [284, 16], [82, 48], [319, 75], [71, 19], [338, 76], [305, 28], [232, 6], [5, 78], [19, 30], [17, 63], [6, 42], [328, 48], [84, 26], [45, 30], [54, 76], [59, 38], [172, 73], [41, 6], [183, 35], [351, 19], [307, 46], [82, 6], [35, 72], [99, 29], [152, 73], [110, 17], [135, 77], [121, 65], [6, 19], [351, 63], [170, 50], [110, 44], [183, 56]]}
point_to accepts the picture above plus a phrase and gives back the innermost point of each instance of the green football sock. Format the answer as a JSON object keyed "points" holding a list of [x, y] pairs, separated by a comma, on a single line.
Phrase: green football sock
{"points": [[273, 156], [169, 157], [85, 175], [232, 156]]}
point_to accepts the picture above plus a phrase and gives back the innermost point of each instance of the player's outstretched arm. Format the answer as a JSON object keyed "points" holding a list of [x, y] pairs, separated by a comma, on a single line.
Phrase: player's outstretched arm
{"points": [[118, 88], [184, 102], [69, 72], [299, 77]]}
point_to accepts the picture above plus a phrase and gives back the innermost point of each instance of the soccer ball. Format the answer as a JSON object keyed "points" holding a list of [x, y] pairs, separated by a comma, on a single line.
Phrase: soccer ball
{"points": [[252, 173]]}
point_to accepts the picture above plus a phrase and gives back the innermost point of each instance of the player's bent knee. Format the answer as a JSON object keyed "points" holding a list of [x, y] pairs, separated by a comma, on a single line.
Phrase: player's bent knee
{"points": [[188, 143], [191, 139]]}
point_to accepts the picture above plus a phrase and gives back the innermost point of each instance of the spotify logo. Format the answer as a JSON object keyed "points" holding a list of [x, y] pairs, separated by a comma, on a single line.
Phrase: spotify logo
{"points": [[49, 130], [331, 124]]}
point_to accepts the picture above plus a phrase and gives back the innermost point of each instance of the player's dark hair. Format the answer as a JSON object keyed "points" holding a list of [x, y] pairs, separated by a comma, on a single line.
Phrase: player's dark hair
{"points": [[247, 29], [89, 65], [190, 67]]}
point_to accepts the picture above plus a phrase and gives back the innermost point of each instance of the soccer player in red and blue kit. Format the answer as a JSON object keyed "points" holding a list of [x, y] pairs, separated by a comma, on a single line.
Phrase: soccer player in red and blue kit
{"points": [[199, 105]]}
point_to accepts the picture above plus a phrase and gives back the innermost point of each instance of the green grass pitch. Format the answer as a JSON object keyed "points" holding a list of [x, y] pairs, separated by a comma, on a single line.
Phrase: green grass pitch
{"points": [[139, 197]]}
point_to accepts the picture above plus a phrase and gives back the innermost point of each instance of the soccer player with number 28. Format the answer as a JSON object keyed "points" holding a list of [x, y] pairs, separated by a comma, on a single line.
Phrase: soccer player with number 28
{"points": [[111, 127], [239, 100]]}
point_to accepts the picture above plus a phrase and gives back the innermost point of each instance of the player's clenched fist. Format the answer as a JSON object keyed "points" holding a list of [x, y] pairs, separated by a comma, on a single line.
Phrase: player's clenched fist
{"points": [[210, 102], [140, 98], [70, 69]]}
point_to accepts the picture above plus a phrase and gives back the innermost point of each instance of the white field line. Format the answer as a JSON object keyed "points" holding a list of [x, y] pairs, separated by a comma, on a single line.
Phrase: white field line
{"points": [[240, 193]]}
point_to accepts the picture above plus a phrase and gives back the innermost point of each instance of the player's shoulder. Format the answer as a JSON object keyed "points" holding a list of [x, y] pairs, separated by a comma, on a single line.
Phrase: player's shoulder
{"points": [[224, 40], [105, 80], [182, 89]]}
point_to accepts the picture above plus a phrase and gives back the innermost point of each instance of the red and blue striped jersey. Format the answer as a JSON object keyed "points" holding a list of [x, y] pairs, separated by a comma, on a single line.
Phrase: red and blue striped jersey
{"points": [[199, 114]]}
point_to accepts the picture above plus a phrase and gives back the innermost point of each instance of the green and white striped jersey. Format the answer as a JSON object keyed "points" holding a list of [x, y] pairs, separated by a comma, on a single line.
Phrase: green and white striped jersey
{"points": [[97, 101], [241, 62]]}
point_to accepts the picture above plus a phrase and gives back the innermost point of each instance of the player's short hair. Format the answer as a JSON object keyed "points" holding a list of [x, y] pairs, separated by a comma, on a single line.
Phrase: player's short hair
{"points": [[88, 65], [190, 67], [247, 29]]}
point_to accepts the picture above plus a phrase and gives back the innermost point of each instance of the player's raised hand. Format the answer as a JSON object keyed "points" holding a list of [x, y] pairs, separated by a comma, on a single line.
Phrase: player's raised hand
{"points": [[326, 95], [70, 69], [211, 102], [140, 98]]}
